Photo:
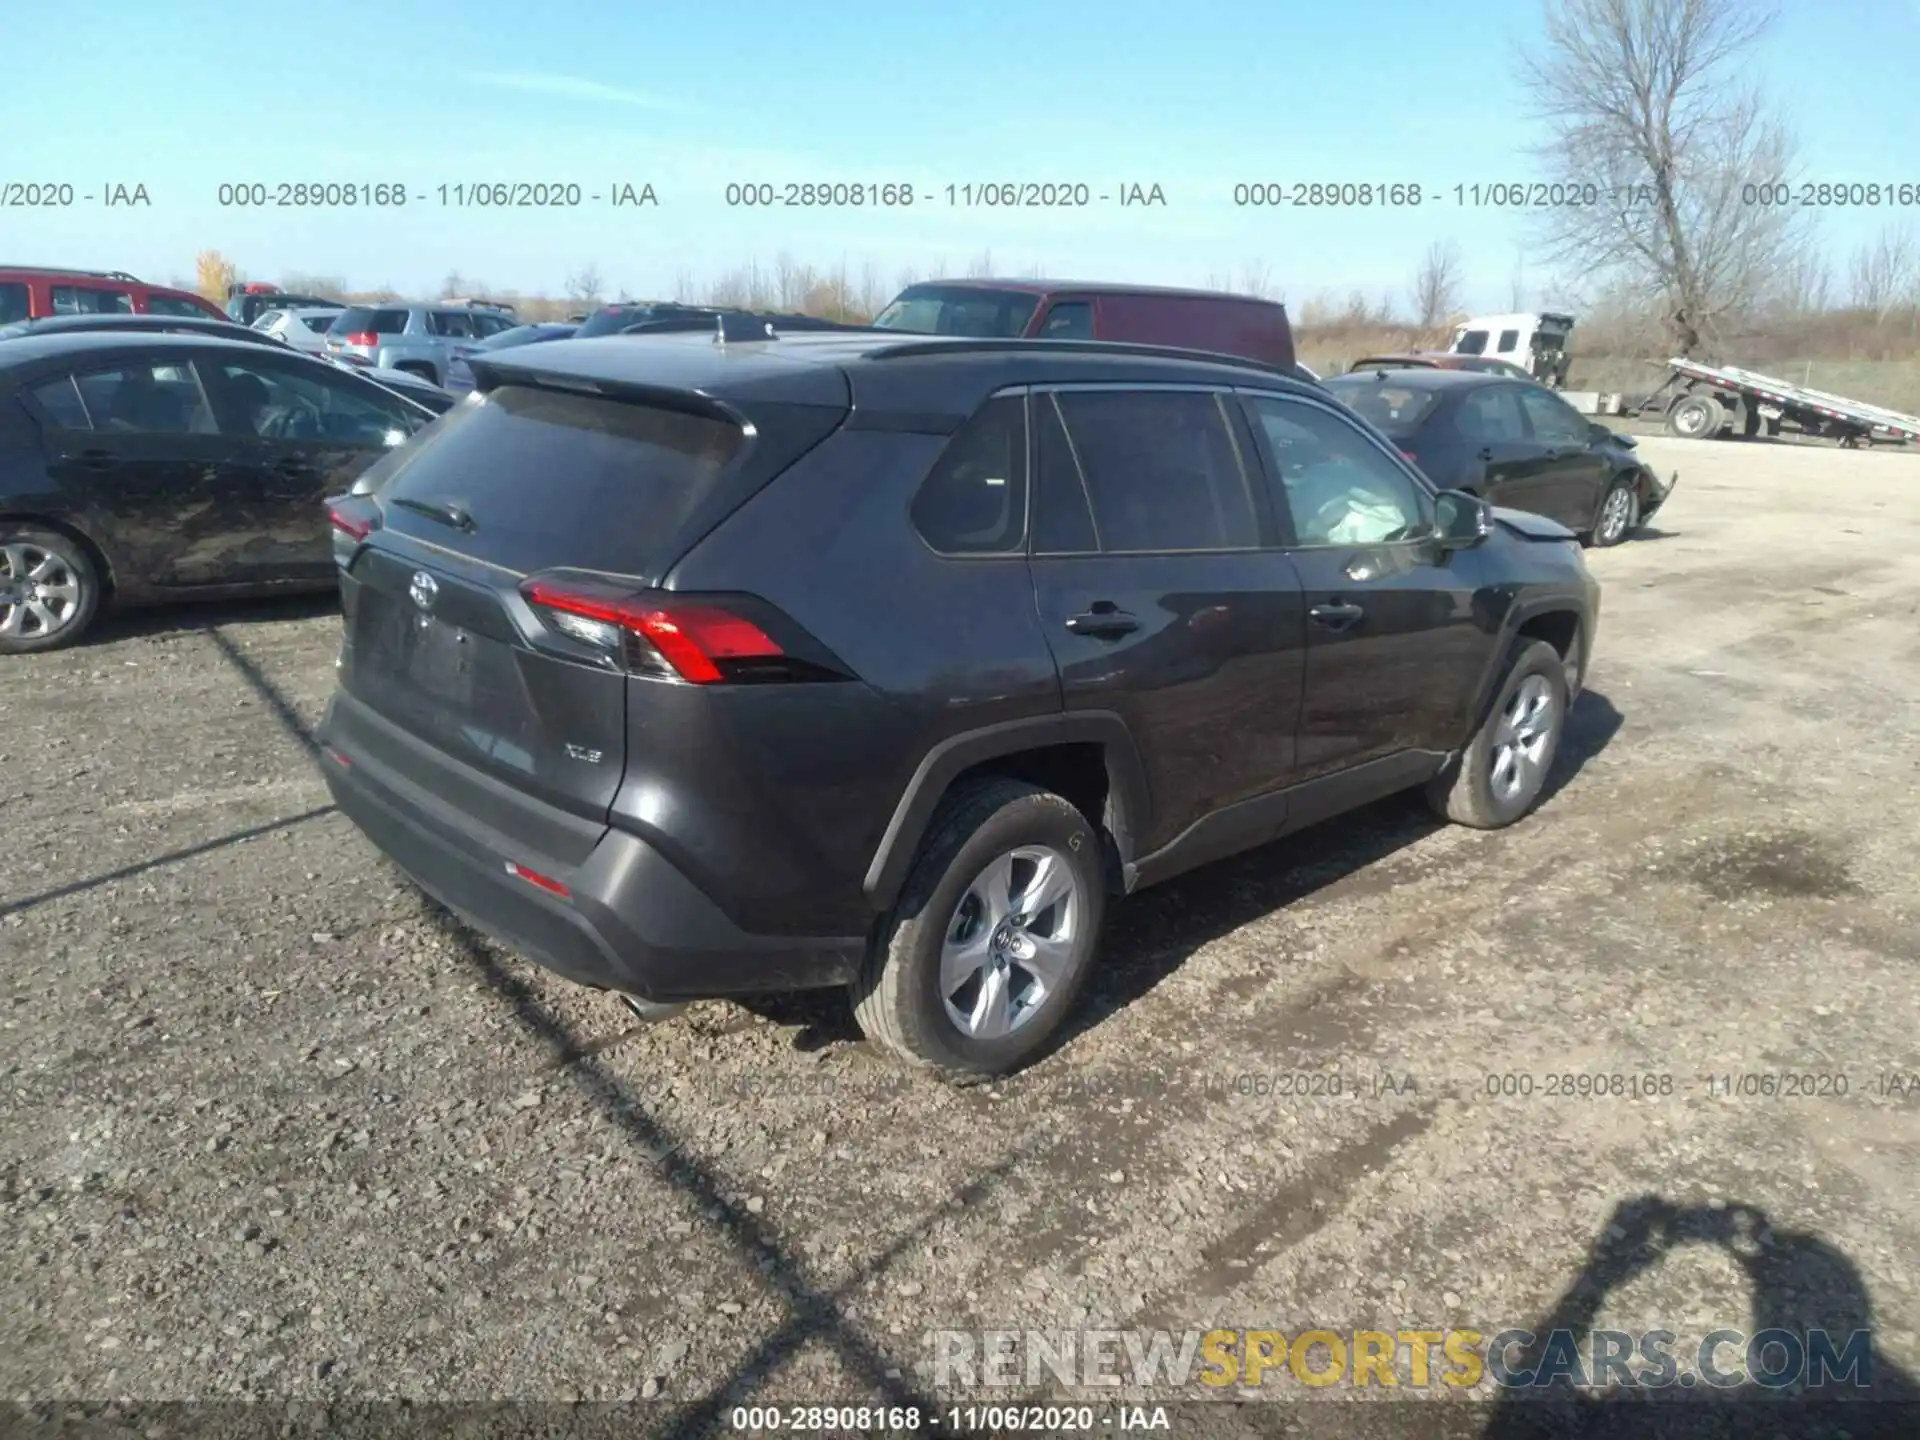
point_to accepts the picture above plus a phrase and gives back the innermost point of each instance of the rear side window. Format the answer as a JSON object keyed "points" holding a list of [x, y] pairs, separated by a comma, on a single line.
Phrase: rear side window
{"points": [[147, 399], [1161, 469], [1508, 339], [59, 401], [172, 305], [451, 322], [974, 500], [86, 300], [554, 479], [1474, 342], [320, 323], [13, 303], [1492, 414]]}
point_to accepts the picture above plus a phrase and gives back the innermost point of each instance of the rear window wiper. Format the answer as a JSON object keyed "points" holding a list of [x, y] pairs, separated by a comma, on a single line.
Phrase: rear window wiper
{"points": [[446, 512]]}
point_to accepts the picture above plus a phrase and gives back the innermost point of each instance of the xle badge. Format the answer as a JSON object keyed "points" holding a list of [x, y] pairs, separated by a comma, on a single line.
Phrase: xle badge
{"points": [[580, 752]]}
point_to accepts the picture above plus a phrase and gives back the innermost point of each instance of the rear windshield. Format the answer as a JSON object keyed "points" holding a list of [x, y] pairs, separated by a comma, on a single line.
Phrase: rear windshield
{"points": [[1396, 409], [360, 318], [553, 479], [960, 310]]}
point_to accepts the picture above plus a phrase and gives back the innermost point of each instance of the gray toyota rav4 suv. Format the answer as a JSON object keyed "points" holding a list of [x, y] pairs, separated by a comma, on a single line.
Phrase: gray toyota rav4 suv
{"points": [[693, 668]]}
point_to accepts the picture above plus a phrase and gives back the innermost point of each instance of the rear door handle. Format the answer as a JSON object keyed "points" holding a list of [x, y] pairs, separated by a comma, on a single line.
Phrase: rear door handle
{"points": [[97, 459], [1336, 616], [1104, 624]]}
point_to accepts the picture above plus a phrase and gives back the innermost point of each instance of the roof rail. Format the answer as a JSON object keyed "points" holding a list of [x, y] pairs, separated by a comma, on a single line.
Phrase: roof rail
{"points": [[739, 327], [75, 270], [957, 346]]}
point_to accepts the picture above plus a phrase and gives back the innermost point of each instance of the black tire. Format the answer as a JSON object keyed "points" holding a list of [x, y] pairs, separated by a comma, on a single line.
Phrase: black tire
{"points": [[1465, 792], [897, 999], [22, 631], [1696, 417], [1616, 518]]}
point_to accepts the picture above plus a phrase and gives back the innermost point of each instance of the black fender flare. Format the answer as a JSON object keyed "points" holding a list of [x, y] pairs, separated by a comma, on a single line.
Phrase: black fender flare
{"points": [[1510, 625], [1127, 794]]}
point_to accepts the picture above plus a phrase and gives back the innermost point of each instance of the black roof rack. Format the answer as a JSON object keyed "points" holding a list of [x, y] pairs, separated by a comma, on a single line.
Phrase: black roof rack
{"points": [[75, 270], [960, 346]]}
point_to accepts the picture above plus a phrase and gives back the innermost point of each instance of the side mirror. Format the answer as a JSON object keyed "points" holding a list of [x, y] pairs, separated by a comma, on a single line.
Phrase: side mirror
{"points": [[1460, 520]]}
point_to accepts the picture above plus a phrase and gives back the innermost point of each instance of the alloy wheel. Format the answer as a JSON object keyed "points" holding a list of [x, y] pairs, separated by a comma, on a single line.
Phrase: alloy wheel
{"points": [[39, 592], [1521, 740], [1617, 514], [1010, 942]]}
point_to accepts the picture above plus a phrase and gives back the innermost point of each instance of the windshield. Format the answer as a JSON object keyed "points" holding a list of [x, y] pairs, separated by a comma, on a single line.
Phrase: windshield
{"points": [[1471, 342], [959, 310], [1396, 409]]}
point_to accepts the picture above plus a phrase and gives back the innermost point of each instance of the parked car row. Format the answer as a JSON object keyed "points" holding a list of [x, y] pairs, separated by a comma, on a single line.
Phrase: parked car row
{"points": [[32, 292]]}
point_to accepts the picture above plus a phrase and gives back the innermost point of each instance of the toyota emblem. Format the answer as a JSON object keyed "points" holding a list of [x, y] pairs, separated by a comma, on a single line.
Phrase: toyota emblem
{"points": [[423, 589]]}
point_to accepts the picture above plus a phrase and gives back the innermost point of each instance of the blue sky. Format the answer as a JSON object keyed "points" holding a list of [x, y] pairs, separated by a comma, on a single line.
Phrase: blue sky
{"points": [[183, 95]]}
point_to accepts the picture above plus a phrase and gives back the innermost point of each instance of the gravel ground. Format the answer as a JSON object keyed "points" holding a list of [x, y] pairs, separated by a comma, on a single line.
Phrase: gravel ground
{"points": [[273, 1127]]}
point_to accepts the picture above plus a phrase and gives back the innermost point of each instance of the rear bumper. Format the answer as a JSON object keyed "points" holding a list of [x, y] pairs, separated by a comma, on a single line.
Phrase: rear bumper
{"points": [[630, 922]]}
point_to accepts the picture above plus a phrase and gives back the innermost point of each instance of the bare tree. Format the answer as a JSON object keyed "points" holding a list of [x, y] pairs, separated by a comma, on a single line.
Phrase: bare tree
{"points": [[1517, 282], [1648, 116], [1436, 285], [981, 266], [327, 287], [1885, 275], [1256, 279], [453, 285], [585, 286], [871, 296]]}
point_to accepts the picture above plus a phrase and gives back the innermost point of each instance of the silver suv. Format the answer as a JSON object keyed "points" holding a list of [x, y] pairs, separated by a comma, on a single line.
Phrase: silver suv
{"points": [[420, 339]]}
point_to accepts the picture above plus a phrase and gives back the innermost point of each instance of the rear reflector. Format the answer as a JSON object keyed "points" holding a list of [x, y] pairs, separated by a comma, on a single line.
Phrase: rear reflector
{"points": [[534, 877], [690, 637]]}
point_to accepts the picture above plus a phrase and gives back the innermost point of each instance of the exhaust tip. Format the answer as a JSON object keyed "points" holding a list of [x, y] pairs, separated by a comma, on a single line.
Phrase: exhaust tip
{"points": [[650, 1012]]}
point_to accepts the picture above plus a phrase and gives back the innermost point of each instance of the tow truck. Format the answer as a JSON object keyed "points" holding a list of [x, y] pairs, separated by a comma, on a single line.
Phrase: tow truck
{"points": [[1701, 401]]}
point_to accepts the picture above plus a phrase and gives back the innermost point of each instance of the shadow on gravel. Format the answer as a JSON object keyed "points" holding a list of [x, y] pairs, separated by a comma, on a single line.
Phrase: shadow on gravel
{"points": [[814, 1315], [233, 837], [1801, 1287], [192, 615]]}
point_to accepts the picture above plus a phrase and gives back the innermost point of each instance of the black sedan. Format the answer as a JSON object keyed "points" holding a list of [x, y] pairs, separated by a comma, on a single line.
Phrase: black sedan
{"points": [[1512, 442], [409, 386], [139, 467]]}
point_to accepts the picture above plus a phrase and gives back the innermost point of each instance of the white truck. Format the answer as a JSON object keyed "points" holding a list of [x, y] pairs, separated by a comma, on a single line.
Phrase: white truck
{"points": [[1536, 342]]}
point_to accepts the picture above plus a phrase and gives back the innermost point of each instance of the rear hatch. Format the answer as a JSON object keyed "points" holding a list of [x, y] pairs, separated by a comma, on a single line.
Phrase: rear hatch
{"points": [[355, 332], [501, 543]]}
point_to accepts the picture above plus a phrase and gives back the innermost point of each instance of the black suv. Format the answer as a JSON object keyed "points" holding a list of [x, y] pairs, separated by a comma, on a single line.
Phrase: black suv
{"points": [[694, 669]]}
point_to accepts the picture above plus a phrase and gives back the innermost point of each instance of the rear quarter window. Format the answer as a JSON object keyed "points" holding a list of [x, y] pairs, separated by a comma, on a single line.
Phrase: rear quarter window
{"points": [[974, 499]]}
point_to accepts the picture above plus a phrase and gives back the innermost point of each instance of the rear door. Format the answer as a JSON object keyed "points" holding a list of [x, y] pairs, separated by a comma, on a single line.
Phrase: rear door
{"points": [[1158, 597], [134, 440], [1512, 466], [1575, 473], [304, 431], [442, 646], [88, 297]]}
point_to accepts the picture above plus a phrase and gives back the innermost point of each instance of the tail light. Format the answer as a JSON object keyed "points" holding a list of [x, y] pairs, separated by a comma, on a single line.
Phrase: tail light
{"points": [[697, 640], [360, 337], [353, 518]]}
